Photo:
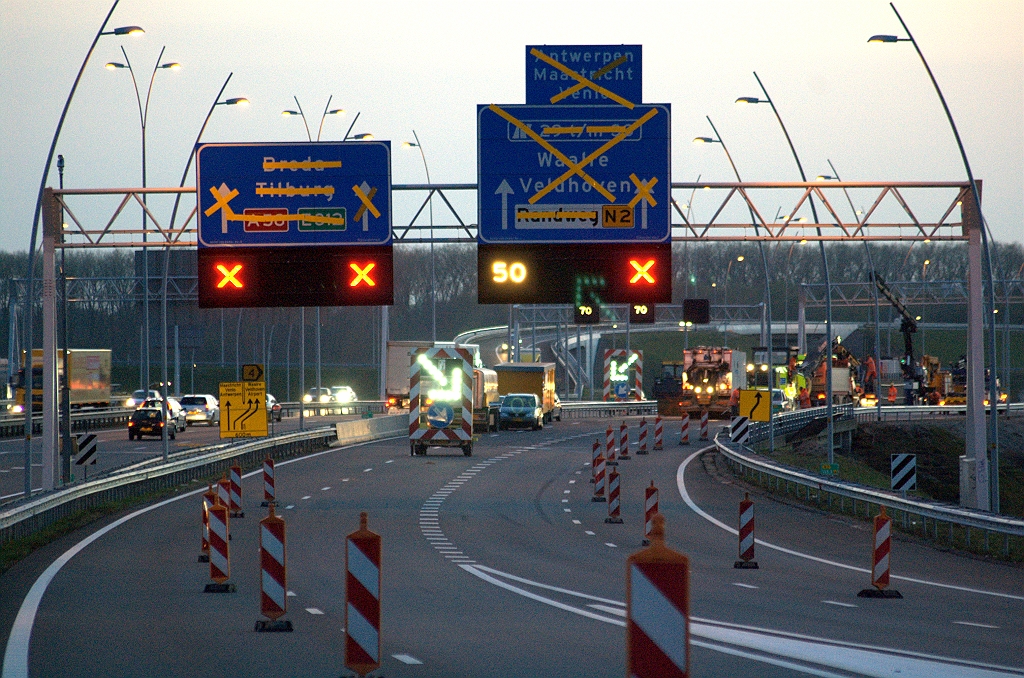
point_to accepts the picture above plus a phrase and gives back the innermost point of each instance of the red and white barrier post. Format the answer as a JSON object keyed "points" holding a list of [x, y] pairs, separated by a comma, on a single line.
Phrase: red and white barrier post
{"points": [[624, 441], [224, 490], [658, 433], [609, 447], [220, 551], [880, 551], [269, 488], [703, 424], [641, 443], [658, 610], [614, 507], [273, 574], [599, 478], [650, 510], [746, 535], [362, 599], [209, 497], [235, 489], [595, 453], [684, 431]]}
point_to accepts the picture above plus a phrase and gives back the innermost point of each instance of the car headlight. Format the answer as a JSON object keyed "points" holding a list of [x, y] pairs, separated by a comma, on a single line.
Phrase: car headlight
{"points": [[696, 389], [18, 409], [130, 402], [307, 398]]}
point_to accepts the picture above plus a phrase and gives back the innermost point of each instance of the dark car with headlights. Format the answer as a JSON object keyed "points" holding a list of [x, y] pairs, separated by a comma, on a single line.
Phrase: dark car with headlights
{"points": [[521, 410], [148, 421]]}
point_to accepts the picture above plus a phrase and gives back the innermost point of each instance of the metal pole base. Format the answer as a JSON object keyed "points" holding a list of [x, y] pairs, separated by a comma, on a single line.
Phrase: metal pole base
{"points": [[746, 565], [273, 626], [879, 593], [219, 588]]}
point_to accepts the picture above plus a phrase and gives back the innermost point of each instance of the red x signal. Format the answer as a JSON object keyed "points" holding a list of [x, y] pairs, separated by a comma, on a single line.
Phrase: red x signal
{"points": [[229, 276], [362, 275], [641, 271]]}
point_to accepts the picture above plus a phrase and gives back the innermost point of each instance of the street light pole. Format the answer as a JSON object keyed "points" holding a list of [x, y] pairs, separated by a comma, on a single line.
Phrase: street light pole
{"points": [[29, 278], [824, 260], [767, 283], [993, 469], [65, 387], [430, 205]]}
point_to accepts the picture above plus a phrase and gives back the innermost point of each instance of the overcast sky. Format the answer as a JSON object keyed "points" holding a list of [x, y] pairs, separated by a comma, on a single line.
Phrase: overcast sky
{"points": [[426, 65]]}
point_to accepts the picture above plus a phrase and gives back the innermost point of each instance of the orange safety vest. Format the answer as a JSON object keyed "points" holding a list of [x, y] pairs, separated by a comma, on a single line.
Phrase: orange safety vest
{"points": [[805, 398], [734, 399], [892, 394]]}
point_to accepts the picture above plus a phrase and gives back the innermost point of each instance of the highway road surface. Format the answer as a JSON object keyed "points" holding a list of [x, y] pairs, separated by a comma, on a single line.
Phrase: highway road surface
{"points": [[501, 565]]}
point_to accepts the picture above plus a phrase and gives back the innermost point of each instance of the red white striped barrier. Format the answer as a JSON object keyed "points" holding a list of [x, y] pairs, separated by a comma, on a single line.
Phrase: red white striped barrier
{"points": [[614, 508], [269, 488], [704, 425], [220, 551], [362, 599], [208, 498], [274, 573], [224, 490], [595, 453], [598, 479], [684, 431], [880, 560], [658, 610], [641, 443], [624, 441], [650, 510], [658, 433], [746, 534], [609, 447], [236, 492]]}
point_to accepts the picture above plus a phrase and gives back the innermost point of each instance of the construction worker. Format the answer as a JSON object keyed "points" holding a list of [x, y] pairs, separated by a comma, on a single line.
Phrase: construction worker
{"points": [[734, 402], [892, 394], [870, 374], [805, 398]]}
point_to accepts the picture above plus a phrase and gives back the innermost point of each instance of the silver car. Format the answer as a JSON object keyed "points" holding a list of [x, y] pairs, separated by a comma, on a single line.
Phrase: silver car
{"points": [[201, 408]]}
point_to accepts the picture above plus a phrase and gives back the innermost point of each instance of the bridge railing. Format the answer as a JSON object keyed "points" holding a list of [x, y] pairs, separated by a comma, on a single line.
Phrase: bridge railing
{"points": [[597, 409]]}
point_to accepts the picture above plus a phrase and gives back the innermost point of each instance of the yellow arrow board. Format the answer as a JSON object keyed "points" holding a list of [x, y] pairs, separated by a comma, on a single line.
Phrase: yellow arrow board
{"points": [[243, 409], [754, 405]]}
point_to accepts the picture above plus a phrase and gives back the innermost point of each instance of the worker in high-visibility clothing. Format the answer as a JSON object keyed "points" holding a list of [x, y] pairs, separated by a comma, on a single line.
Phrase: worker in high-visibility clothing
{"points": [[870, 374], [892, 394], [734, 402], [805, 398]]}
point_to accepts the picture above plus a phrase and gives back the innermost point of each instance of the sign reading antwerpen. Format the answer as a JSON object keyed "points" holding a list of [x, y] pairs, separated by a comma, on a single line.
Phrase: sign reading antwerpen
{"points": [[574, 173], [286, 194], [615, 68]]}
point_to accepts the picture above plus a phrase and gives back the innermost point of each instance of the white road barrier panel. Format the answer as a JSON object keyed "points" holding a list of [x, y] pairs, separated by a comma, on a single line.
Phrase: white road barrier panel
{"points": [[641, 443], [609, 447], [594, 454], [362, 599], [746, 535], [658, 433], [220, 550], [269, 481], [624, 442], [704, 425], [684, 430], [235, 489], [598, 473], [880, 552], [273, 574], [658, 610], [209, 498], [614, 507], [650, 510]]}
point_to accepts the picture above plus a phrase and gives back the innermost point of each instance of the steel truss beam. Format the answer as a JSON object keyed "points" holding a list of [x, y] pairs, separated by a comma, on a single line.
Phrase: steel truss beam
{"points": [[911, 293]]}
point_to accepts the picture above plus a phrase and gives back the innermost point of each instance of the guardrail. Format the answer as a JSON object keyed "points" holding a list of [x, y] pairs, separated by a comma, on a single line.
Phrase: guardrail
{"points": [[908, 512], [588, 410], [27, 516], [327, 409], [81, 420], [912, 412]]}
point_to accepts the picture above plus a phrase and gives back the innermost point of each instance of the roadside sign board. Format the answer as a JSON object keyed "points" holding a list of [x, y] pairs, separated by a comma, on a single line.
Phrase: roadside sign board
{"points": [[252, 372], [288, 194], [903, 472], [574, 174], [583, 74], [243, 409], [829, 469], [755, 405]]}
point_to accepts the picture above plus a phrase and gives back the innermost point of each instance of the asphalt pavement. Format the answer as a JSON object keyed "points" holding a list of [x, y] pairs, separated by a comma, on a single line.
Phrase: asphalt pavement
{"points": [[501, 565]]}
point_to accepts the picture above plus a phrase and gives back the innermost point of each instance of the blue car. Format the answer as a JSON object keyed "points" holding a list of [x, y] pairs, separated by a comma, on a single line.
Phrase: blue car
{"points": [[522, 410]]}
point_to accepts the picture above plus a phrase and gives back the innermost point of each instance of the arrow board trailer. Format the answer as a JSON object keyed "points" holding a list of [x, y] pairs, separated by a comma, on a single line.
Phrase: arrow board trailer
{"points": [[574, 174], [441, 400]]}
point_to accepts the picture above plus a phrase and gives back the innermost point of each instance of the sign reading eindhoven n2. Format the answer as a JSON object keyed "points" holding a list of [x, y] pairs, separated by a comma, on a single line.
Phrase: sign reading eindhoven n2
{"points": [[556, 173], [288, 194]]}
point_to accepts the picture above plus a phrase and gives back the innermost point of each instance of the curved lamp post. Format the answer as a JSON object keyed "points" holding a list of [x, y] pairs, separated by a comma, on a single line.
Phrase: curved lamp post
{"points": [[235, 101], [717, 139], [122, 30], [143, 118], [430, 204], [990, 289], [824, 260]]}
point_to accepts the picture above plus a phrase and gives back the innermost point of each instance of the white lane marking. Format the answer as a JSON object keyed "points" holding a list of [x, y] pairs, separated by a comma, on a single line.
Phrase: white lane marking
{"points": [[344, 480], [324, 489], [289, 506], [390, 461], [619, 611], [572, 481], [307, 497], [566, 491], [565, 501], [681, 485], [588, 532], [859, 658], [837, 603], [744, 586], [406, 659], [314, 610], [976, 624], [367, 470], [576, 522], [291, 594], [610, 545], [567, 510]]}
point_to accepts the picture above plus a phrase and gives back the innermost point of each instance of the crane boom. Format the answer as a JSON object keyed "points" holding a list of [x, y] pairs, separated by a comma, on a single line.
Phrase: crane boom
{"points": [[908, 326]]}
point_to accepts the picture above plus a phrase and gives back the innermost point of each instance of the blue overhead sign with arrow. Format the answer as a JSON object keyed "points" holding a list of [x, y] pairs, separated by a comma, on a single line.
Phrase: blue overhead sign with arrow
{"points": [[555, 173], [286, 194]]}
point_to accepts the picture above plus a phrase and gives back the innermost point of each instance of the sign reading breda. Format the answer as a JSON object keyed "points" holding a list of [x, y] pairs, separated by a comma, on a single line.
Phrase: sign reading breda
{"points": [[587, 167], [294, 224]]}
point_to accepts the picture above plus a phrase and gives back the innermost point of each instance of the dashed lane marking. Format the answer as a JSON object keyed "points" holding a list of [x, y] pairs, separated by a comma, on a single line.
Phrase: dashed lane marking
{"points": [[588, 532], [744, 586], [838, 604], [610, 545], [307, 497], [976, 624], [406, 659], [314, 610]]}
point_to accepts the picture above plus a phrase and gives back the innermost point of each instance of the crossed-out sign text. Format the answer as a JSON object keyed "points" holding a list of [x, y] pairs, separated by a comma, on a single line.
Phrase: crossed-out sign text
{"points": [[223, 196]]}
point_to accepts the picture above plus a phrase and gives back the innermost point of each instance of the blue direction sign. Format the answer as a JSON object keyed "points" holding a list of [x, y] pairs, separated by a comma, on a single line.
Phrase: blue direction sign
{"points": [[574, 173], [274, 195], [583, 74]]}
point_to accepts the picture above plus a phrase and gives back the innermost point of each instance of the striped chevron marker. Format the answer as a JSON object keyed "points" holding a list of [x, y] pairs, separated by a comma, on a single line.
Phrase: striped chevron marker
{"points": [[650, 510], [658, 610], [598, 472], [208, 498], [595, 453], [220, 553], [235, 490], [273, 566], [746, 533], [269, 489], [880, 551], [614, 508], [624, 441], [739, 430], [903, 472], [362, 599], [684, 431], [224, 490], [658, 433], [703, 424], [642, 438], [609, 447]]}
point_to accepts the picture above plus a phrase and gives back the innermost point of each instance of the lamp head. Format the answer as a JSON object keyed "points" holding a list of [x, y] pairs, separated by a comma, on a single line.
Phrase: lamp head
{"points": [[704, 140], [113, 66], [287, 113], [748, 100], [236, 101], [825, 177], [410, 144], [128, 30], [363, 136], [336, 111], [740, 258], [883, 38], [171, 66]]}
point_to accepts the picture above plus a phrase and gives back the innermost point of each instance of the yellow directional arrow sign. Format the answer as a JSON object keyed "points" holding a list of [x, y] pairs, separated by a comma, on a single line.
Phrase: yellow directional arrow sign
{"points": [[754, 405], [243, 409]]}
